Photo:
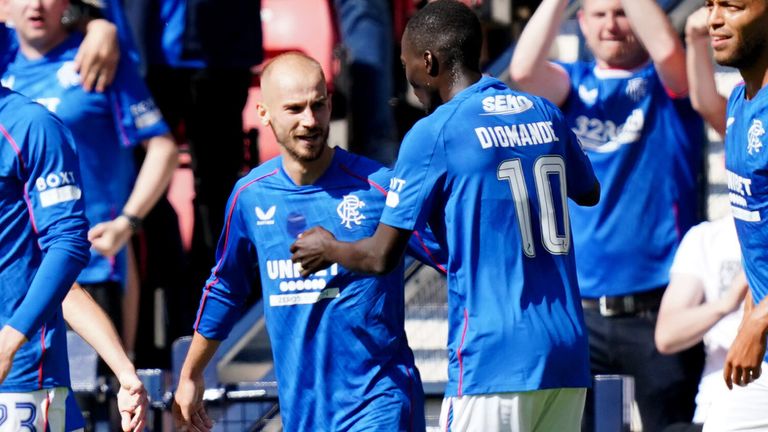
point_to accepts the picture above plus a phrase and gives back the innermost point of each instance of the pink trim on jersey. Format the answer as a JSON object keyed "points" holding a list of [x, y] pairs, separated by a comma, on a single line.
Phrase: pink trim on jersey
{"points": [[410, 398], [17, 150], [676, 212], [458, 353], [429, 253], [42, 358], [45, 411], [123, 133], [226, 242], [673, 95], [367, 180]]}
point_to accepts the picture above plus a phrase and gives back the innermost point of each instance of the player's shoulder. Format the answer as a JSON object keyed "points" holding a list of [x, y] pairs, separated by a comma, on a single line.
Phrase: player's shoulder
{"points": [[260, 173], [22, 115], [363, 168]]}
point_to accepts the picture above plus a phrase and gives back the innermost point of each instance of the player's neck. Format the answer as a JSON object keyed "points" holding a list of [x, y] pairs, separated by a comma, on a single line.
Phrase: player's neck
{"points": [[34, 50], [305, 173], [458, 82], [755, 77]]}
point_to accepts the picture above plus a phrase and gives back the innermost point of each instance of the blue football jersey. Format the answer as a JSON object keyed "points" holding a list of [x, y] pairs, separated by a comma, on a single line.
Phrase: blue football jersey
{"points": [[42, 236], [8, 47], [341, 356], [746, 161], [645, 148], [490, 171], [105, 127]]}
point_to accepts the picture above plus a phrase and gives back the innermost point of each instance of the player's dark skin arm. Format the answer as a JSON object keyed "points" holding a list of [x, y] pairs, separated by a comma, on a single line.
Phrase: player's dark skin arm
{"points": [[317, 249], [589, 199]]}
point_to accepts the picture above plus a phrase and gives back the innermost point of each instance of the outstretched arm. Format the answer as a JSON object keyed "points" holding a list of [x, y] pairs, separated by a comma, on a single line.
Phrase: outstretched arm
{"points": [[529, 68], [317, 249], [650, 24], [701, 72], [88, 320]]}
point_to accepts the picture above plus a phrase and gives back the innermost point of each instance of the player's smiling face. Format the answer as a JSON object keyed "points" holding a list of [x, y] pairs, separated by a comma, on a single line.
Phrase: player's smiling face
{"points": [[737, 30], [37, 22], [299, 112], [609, 36]]}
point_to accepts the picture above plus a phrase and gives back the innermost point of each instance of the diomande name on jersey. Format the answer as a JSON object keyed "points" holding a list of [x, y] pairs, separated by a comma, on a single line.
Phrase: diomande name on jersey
{"points": [[488, 170]]}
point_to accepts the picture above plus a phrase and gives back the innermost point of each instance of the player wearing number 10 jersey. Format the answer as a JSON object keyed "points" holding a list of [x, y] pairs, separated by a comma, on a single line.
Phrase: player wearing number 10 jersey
{"points": [[490, 170]]}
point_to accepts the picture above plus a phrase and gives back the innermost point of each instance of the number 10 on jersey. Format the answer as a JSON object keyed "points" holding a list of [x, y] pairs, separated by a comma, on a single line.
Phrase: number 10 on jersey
{"points": [[512, 171]]}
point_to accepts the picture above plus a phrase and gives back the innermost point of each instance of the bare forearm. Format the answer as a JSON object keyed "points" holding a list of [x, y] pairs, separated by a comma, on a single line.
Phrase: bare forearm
{"points": [[650, 24], [89, 320], [529, 67], [701, 80], [680, 329], [155, 175], [362, 256], [200, 353]]}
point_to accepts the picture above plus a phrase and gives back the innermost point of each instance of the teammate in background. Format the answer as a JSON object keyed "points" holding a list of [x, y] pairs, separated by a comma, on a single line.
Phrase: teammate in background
{"points": [[340, 352], [706, 289], [487, 169], [96, 59], [630, 111], [105, 127], [740, 39], [45, 243]]}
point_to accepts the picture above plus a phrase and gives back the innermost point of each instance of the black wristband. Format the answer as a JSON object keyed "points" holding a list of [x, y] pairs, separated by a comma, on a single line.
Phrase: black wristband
{"points": [[133, 221]]}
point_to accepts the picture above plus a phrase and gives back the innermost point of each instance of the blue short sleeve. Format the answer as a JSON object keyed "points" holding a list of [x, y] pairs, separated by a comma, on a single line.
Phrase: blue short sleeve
{"points": [[419, 172]]}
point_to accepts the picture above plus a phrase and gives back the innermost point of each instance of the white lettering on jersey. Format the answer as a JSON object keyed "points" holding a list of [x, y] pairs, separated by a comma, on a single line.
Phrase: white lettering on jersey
{"points": [[604, 136], [753, 136], [145, 114], [60, 195], [67, 75], [396, 186], [740, 188], [283, 269], [57, 188], [302, 298], [516, 135], [349, 211], [506, 104], [265, 218], [51, 104], [739, 184]]}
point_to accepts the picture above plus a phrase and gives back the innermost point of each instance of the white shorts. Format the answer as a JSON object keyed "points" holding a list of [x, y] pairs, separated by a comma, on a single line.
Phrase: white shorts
{"points": [[741, 409], [541, 410], [34, 411]]}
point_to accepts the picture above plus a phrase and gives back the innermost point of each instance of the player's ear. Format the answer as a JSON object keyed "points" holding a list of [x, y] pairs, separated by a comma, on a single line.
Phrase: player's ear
{"points": [[261, 110], [431, 65]]}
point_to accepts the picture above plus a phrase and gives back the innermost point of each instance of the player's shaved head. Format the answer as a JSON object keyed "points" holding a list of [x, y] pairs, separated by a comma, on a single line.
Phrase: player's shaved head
{"points": [[288, 70], [296, 106]]}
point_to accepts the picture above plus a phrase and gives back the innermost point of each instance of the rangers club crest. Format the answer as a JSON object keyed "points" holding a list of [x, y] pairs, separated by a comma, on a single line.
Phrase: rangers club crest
{"points": [[349, 211], [636, 88], [753, 136]]}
